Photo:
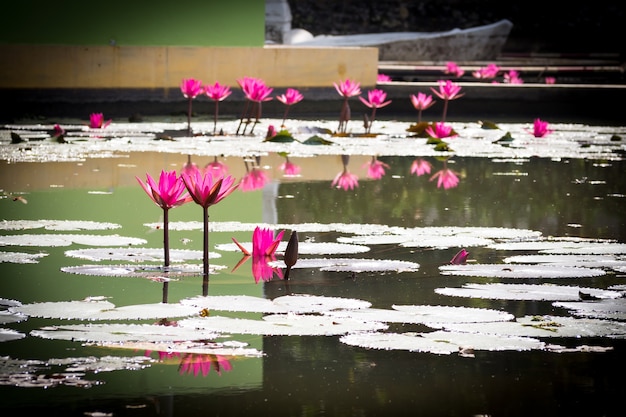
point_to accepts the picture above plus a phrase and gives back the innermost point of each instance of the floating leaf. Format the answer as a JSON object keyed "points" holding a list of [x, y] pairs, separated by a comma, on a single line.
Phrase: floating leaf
{"points": [[614, 309], [114, 332], [531, 292], [137, 254], [439, 342], [152, 272], [284, 304], [546, 326], [353, 265], [57, 225], [520, 271], [282, 324], [21, 257], [281, 137], [47, 240], [485, 124], [317, 140]]}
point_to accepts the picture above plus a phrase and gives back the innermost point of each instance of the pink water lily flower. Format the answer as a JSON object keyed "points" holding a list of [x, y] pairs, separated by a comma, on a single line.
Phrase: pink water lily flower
{"points": [[540, 128], [346, 89], [170, 192], [289, 98], [460, 258], [420, 167], [217, 92], [256, 92], [264, 246], [446, 178], [513, 77], [383, 78], [207, 190], [453, 69], [191, 88], [487, 73], [440, 131], [96, 121], [421, 102], [375, 168], [550, 80], [447, 91], [376, 99]]}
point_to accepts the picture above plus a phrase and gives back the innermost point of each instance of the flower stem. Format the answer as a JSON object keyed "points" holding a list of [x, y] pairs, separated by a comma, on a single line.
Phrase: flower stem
{"points": [[205, 253], [215, 117], [166, 251], [189, 117]]}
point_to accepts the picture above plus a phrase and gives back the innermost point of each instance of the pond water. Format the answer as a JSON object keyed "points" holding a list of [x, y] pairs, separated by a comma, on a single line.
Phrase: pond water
{"points": [[563, 200]]}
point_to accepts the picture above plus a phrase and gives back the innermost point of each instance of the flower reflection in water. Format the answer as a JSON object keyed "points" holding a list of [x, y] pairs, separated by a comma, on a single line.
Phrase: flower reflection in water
{"points": [[196, 363], [255, 178], [216, 168], [375, 168], [420, 167], [264, 245], [446, 178], [345, 179], [289, 168]]}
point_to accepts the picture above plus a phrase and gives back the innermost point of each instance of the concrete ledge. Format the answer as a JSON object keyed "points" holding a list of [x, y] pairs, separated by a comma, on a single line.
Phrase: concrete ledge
{"points": [[163, 67]]}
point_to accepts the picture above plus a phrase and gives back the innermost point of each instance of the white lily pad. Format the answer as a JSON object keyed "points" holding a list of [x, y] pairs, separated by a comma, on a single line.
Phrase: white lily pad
{"points": [[67, 371], [137, 254], [444, 242], [520, 271], [151, 272], [58, 225], [7, 335], [529, 292], [353, 265], [283, 325], [588, 261], [91, 306], [228, 348], [21, 257], [613, 309], [439, 342], [424, 314], [446, 314], [546, 326], [47, 240], [116, 333], [285, 304], [564, 246]]}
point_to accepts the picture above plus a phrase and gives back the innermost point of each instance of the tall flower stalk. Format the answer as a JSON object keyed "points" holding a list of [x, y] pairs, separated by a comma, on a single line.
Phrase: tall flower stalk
{"points": [[170, 192], [217, 92], [191, 88], [375, 100], [447, 91], [421, 102], [346, 89], [256, 93], [291, 97], [206, 190]]}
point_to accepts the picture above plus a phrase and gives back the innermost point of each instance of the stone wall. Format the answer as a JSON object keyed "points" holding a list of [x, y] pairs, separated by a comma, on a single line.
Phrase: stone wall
{"points": [[540, 26]]}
